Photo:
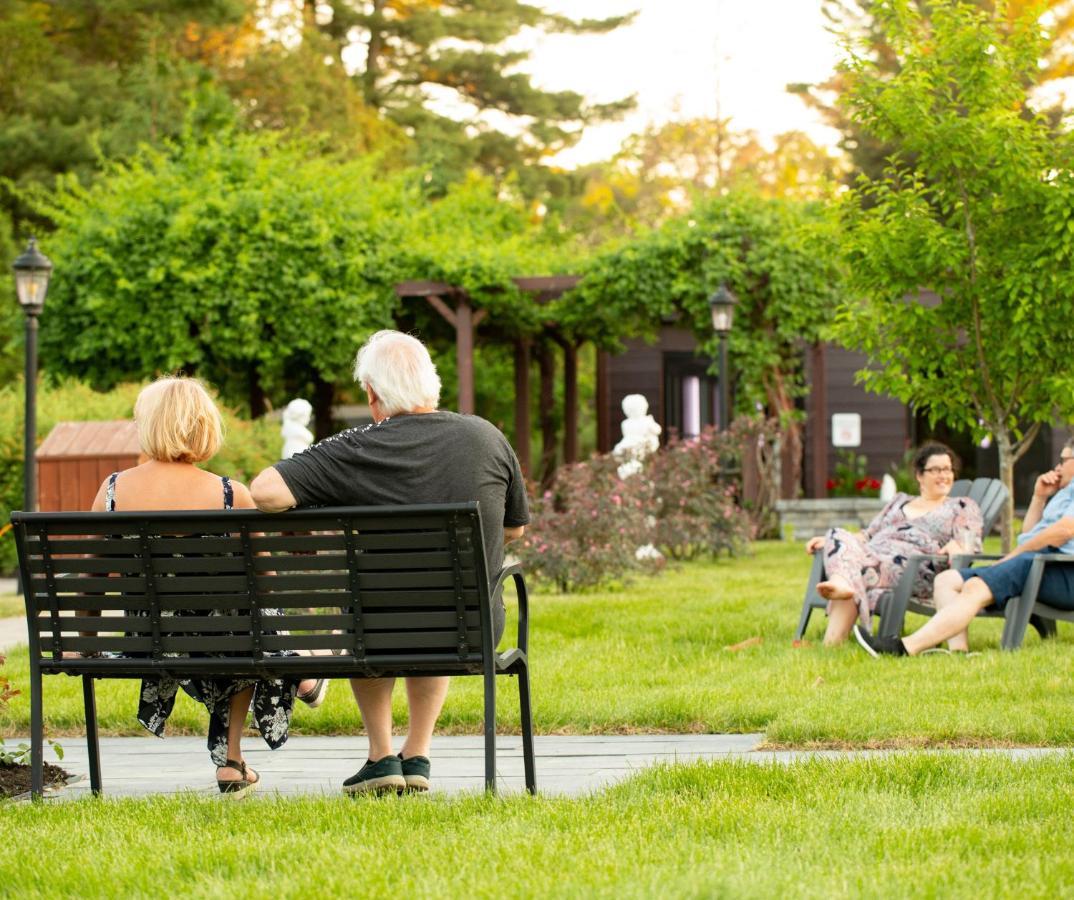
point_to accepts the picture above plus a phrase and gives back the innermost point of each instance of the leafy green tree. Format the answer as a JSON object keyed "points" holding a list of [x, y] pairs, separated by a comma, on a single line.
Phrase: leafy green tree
{"points": [[261, 266], [406, 52], [863, 22], [84, 81], [777, 257], [975, 208], [659, 172], [245, 260]]}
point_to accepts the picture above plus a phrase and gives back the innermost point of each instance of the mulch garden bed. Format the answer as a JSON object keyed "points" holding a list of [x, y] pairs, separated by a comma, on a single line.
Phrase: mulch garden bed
{"points": [[15, 780]]}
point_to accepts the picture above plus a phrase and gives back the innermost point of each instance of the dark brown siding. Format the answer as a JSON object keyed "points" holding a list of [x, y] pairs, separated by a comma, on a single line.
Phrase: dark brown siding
{"points": [[885, 425], [640, 370]]}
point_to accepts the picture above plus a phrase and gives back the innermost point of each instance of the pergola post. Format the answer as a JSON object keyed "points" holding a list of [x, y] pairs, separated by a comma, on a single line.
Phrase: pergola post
{"points": [[464, 353], [604, 400], [547, 365], [522, 404], [818, 421], [570, 402], [463, 319]]}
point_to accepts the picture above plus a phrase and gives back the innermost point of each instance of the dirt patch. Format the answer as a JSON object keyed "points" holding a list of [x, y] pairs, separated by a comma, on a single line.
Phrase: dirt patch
{"points": [[15, 780], [910, 743]]}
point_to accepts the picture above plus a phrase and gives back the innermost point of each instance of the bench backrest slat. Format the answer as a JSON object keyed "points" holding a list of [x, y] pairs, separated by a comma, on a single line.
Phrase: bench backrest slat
{"points": [[368, 582]]}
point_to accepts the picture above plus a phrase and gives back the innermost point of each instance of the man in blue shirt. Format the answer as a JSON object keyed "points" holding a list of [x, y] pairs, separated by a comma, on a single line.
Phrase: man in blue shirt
{"points": [[962, 593]]}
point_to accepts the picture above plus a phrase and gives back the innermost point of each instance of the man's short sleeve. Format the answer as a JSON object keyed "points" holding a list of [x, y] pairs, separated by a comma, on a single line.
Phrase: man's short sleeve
{"points": [[316, 477], [516, 507]]}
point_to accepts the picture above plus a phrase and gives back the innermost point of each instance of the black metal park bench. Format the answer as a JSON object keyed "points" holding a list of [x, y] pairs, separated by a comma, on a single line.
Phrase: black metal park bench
{"points": [[383, 591]]}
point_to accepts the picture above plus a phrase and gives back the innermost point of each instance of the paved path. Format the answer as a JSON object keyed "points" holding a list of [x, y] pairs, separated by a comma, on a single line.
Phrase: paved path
{"points": [[566, 766], [12, 632]]}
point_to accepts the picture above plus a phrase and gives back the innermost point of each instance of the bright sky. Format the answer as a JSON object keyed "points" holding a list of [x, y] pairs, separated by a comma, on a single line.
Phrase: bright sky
{"points": [[676, 53]]}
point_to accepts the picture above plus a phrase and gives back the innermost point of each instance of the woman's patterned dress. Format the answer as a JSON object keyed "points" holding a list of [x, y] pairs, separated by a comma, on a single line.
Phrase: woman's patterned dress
{"points": [[273, 700], [873, 560]]}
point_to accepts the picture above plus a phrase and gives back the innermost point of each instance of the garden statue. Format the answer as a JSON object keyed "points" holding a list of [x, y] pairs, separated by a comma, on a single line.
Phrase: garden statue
{"points": [[296, 436], [641, 435]]}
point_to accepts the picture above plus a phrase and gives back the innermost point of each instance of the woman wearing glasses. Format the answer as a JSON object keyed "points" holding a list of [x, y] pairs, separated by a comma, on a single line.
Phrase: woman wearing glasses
{"points": [[861, 567]]}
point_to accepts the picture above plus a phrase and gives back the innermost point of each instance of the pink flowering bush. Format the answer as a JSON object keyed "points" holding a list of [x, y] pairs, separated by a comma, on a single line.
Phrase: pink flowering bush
{"points": [[695, 486], [587, 526]]}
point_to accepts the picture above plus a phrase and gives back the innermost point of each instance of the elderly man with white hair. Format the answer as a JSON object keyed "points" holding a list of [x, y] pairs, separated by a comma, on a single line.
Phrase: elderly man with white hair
{"points": [[412, 453]]}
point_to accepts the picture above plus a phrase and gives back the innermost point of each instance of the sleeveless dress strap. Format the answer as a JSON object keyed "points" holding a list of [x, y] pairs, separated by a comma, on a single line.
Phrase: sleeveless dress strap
{"points": [[110, 493], [229, 492]]}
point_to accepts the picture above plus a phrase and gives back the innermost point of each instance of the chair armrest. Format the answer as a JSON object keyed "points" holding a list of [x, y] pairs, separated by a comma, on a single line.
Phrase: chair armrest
{"points": [[1056, 557], [515, 572]]}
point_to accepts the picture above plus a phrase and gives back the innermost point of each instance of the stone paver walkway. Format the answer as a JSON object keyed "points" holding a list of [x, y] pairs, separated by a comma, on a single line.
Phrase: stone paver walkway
{"points": [[12, 633], [307, 765]]}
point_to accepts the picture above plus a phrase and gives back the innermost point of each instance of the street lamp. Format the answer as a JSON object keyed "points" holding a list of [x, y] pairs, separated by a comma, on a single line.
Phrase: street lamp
{"points": [[722, 306], [32, 272]]}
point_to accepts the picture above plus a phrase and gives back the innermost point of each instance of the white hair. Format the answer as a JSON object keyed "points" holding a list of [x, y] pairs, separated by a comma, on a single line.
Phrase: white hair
{"points": [[399, 370]]}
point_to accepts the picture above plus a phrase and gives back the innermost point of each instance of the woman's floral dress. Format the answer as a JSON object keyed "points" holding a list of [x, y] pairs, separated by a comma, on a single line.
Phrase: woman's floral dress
{"points": [[873, 560], [273, 700]]}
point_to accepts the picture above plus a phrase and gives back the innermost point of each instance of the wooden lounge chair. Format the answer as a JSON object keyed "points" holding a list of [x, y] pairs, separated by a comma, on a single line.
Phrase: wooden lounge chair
{"points": [[990, 495]]}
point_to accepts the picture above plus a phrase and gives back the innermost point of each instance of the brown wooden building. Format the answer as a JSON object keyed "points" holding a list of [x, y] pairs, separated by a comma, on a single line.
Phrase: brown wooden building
{"points": [[683, 396]]}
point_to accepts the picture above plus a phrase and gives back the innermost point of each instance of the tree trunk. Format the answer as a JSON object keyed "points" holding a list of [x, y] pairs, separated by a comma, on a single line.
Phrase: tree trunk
{"points": [[372, 56], [782, 407], [1006, 475]]}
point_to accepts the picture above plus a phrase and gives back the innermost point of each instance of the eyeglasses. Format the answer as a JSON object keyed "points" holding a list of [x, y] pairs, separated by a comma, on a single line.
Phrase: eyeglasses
{"points": [[1066, 459], [939, 470]]}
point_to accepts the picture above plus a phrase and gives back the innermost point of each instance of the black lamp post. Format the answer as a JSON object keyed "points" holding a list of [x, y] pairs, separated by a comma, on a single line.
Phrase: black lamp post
{"points": [[722, 305], [32, 272]]}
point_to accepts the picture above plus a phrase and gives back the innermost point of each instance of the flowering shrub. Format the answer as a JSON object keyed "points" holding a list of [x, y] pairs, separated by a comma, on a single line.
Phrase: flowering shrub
{"points": [[695, 485], [592, 526], [587, 526], [850, 478]]}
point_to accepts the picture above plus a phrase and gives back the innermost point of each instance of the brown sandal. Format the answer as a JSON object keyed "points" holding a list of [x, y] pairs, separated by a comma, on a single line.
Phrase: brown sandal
{"points": [[240, 787]]}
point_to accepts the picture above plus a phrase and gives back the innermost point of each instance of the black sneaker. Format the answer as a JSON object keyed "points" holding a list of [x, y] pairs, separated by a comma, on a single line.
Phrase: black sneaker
{"points": [[385, 776], [416, 773], [879, 646]]}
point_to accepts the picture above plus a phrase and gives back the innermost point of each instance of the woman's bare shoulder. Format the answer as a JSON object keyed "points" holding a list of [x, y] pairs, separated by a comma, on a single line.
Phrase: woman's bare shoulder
{"points": [[241, 496]]}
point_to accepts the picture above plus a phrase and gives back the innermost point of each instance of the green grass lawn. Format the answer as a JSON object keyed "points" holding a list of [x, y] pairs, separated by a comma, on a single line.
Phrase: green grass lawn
{"points": [[651, 657], [11, 605], [912, 826]]}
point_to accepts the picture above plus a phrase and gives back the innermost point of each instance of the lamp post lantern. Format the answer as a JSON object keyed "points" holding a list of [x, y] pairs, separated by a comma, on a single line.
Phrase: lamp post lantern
{"points": [[32, 272], [722, 306]]}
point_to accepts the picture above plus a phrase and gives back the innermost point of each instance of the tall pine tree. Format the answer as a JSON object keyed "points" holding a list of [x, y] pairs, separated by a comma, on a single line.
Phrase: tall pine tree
{"points": [[448, 72]]}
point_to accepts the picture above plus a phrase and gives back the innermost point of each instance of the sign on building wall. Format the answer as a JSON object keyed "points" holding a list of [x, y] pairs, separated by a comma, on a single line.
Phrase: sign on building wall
{"points": [[846, 430]]}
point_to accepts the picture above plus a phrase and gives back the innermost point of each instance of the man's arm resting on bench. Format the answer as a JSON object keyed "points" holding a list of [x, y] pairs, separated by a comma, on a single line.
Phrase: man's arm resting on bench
{"points": [[271, 493]]}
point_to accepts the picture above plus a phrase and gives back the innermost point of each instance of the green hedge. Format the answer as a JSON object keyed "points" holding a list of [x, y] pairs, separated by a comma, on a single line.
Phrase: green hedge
{"points": [[248, 446]]}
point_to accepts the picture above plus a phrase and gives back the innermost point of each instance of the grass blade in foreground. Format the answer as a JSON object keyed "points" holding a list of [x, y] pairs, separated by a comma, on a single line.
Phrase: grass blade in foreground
{"points": [[919, 825]]}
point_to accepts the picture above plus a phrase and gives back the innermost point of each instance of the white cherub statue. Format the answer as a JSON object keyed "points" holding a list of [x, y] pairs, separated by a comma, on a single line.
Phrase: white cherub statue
{"points": [[641, 435], [296, 436]]}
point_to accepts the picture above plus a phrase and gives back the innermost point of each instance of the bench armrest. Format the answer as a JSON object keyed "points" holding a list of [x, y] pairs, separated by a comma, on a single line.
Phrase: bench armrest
{"points": [[515, 572]]}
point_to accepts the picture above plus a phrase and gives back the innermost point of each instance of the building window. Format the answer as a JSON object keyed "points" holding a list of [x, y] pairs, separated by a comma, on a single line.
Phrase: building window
{"points": [[691, 395]]}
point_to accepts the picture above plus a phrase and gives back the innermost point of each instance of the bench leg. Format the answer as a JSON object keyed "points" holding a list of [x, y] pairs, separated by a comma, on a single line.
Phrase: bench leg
{"points": [[490, 732], [37, 735], [92, 744], [527, 729]]}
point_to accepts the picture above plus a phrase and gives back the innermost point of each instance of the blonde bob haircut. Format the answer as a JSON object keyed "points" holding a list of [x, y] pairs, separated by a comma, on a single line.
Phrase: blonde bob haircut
{"points": [[178, 421]]}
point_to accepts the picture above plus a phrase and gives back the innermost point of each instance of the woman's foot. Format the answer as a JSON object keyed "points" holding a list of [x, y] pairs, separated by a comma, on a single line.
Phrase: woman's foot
{"points": [[835, 590], [312, 691], [236, 779]]}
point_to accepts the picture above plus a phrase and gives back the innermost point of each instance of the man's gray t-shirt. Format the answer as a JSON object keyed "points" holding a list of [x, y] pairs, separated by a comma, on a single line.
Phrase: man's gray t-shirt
{"points": [[437, 457]]}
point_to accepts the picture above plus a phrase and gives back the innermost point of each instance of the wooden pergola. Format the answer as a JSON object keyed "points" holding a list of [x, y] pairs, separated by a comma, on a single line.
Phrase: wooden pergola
{"points": [[455, 306]]}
